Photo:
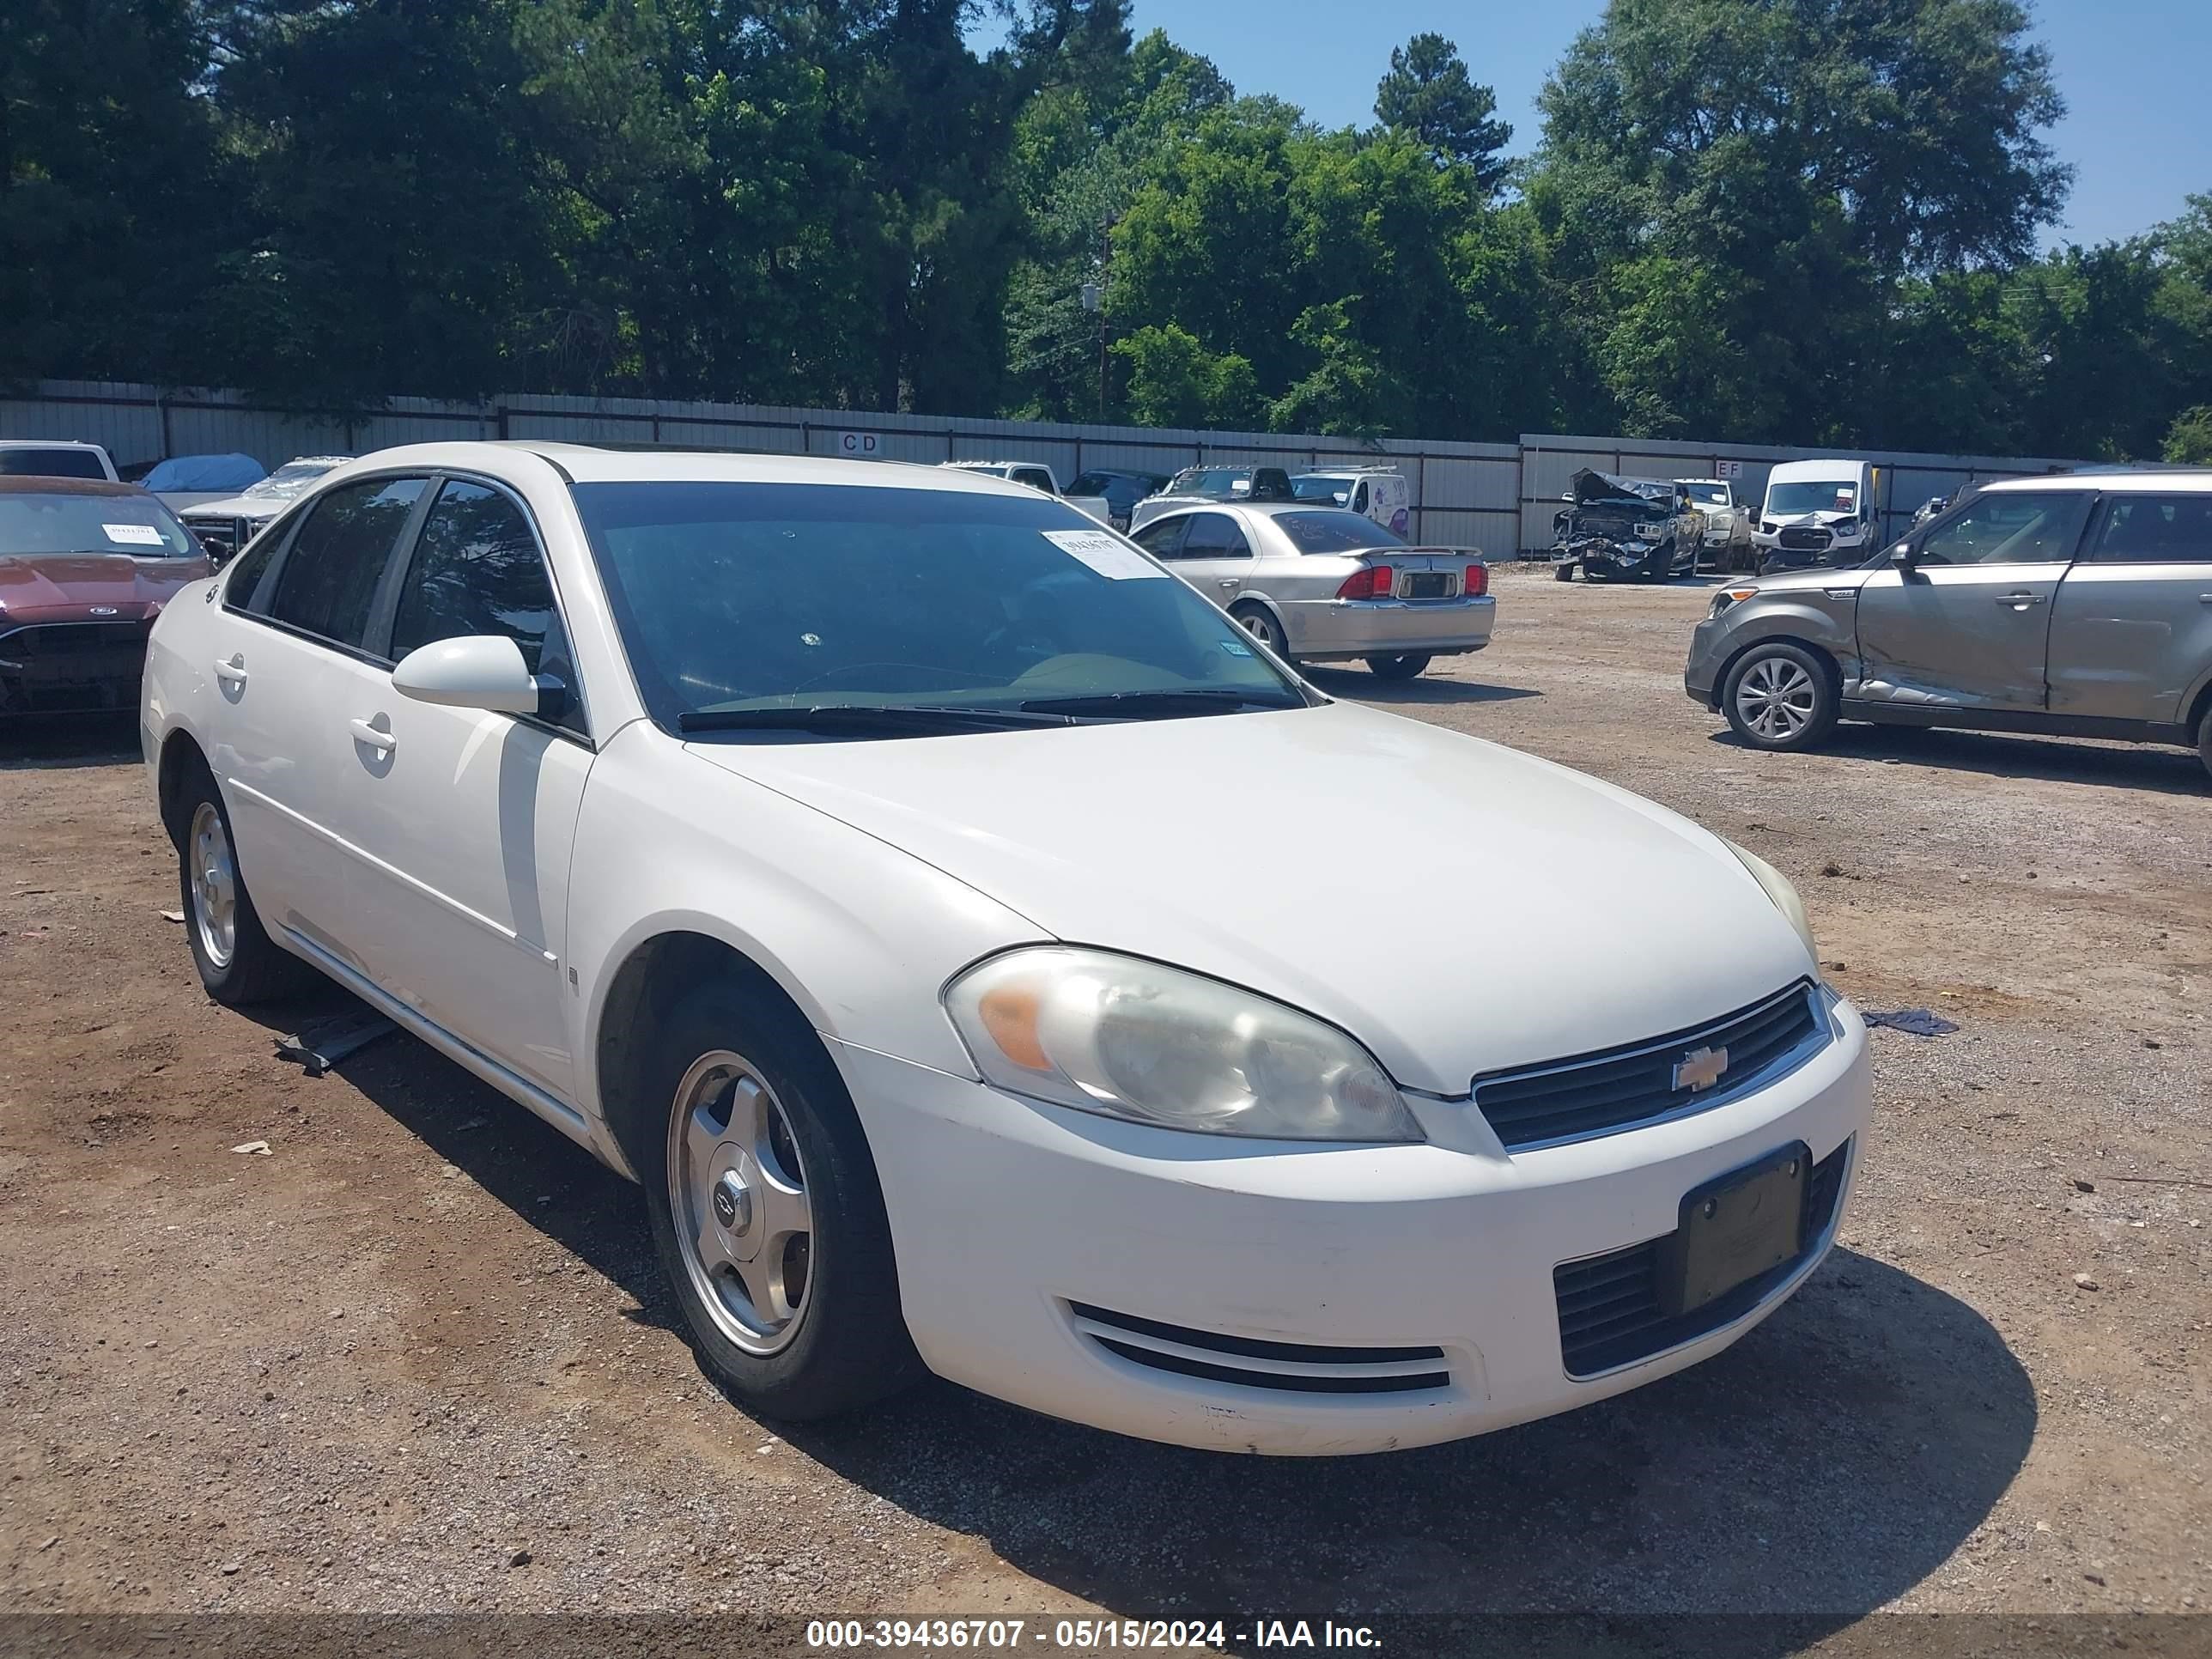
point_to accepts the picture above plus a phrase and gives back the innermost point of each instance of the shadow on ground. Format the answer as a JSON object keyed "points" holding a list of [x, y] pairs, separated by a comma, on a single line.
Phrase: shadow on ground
{"points": [[68, 740], [1360, 686], [1826, 1464], [2003, 755]]}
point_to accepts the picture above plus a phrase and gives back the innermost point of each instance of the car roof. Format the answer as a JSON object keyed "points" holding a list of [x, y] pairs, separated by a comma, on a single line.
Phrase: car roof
{"points": [[46, 443], [32, 483], [586, 464], [1185, 505], [2187, 480], [1842, 468]]}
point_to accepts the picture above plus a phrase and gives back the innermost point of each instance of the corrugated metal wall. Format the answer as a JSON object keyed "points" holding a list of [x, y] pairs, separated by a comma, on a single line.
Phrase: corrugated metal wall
{"points": [[1497, 497]]}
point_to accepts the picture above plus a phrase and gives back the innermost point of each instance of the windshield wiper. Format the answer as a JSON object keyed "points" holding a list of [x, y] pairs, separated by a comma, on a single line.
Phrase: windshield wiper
{"points": [[850, 718], [1155, 705]]}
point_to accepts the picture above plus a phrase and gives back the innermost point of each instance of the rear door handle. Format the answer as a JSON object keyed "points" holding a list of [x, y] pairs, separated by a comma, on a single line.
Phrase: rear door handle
{"points": [[374, 736], [2019, 601], [1230, 583], [232, 672]]}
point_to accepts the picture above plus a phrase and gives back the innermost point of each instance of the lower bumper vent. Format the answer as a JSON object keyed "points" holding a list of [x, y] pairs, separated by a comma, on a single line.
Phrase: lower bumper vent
{"points": [[1284, 1367], [1609, 1308]]}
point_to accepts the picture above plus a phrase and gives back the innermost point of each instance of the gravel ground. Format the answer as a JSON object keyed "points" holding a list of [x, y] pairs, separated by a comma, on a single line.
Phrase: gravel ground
{"points": [[417, 1359]]}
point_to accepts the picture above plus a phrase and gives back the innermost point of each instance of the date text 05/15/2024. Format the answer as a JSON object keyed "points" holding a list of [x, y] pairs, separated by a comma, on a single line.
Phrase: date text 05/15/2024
{"points": [[1085, 1634]]}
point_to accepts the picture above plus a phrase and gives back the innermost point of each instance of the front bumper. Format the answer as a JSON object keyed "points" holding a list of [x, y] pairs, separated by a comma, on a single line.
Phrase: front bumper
{"points": [[1701, 671], [1601, 561], [1318, 630], [1032, 1241]]}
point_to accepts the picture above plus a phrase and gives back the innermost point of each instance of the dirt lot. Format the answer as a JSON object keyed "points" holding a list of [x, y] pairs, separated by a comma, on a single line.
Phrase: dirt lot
{"points": [[417, 1359]]}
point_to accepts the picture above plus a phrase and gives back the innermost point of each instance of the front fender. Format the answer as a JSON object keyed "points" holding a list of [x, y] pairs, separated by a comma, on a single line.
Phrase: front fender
{"points": [[859, 935]]}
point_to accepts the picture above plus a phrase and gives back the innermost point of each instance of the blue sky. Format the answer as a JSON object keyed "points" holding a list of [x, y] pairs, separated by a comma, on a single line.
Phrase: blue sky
{"points": [[2135, 73]]}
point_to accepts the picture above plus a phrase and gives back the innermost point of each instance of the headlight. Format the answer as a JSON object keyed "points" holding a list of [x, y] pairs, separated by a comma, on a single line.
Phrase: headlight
{"points": [[1130, 1039], [1650, 532], [1728, 596], [1779, 889]]}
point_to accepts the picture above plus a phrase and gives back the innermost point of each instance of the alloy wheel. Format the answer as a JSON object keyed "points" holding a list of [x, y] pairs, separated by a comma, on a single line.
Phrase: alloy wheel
{"points": [[1777, 698], [215, 885], [737, 1188]]}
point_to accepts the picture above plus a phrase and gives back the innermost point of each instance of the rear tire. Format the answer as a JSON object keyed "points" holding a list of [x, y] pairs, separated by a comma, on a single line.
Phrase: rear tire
{"points": [[1781, 698], [1397, 668], [786, 1276], [239, 963], [1563, 573], [2205, 739], [1260, 622]]}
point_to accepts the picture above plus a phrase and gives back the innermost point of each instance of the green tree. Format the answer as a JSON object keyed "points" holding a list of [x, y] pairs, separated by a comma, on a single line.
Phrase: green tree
{"points": [[1429, 93], [2189, 440], [1175, 381]]}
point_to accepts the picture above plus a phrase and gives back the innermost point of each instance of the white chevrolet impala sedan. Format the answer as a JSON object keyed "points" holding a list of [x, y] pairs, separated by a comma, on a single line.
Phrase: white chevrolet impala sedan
{"points": [[990, 959]]}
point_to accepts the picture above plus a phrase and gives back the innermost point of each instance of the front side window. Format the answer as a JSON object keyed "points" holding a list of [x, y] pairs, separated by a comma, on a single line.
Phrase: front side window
{"points": [[477, 570], [1163, 538], [1335, 533], [60, 462], [2157, 530], [328, 579], [738, 601], [2011, 528], [33, 522]]}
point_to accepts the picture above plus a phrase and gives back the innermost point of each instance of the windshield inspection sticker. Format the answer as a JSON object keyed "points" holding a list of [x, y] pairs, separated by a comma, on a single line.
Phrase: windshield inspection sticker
{"points": [[1234, 649], [133, 535], [1107, 554]]}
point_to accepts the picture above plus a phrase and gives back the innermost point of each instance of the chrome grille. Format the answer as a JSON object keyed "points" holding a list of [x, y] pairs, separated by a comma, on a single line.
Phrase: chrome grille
{"points": [[1626, 1088]]}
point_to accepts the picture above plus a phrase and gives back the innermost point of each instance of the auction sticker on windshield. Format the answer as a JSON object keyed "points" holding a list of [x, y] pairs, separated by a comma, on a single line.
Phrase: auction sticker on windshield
{"points": [[1109, 555], [133, 535]]}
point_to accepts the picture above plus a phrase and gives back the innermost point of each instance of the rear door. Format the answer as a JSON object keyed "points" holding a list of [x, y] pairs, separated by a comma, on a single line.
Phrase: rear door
{"points": [[2131, 629], [290, 663], [465, 823], [1969, 626], [1214, 557]]}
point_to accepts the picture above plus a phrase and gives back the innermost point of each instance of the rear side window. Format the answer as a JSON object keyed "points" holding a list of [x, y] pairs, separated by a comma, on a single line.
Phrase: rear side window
{"points": [[2157, 530], [2011, 528], [51, 463], [1215, 536], [477, 570], [328, 580], [1163, 539]]}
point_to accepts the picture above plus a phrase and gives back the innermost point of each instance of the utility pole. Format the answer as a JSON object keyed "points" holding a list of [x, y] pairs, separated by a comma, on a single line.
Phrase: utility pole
{"points": [[1094, 300]]}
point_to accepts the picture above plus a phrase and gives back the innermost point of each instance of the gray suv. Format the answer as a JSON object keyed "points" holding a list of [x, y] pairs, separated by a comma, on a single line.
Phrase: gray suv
{"points": [[2078, 605]]}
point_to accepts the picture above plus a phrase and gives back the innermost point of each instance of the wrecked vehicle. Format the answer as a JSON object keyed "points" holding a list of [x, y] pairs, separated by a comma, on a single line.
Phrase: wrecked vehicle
{"points": [[1616, 528]]}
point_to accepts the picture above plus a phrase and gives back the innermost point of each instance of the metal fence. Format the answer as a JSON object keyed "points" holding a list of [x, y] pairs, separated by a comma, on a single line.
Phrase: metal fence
{"points": [[1497, 497]]}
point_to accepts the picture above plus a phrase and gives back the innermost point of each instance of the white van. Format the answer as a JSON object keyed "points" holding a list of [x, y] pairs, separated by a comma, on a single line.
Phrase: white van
{"points": [[1379, 492], [1817, 513]]}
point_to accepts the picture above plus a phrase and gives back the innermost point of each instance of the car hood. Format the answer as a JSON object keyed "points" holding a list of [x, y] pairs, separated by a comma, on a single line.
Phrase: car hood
{"points": [[1454, 905], [1806, 582], [42, 583], [240, 507], [1823, 520]]}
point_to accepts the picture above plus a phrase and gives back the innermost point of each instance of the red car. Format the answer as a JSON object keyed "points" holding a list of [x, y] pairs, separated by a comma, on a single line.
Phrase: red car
{"points": [[85, 567]]}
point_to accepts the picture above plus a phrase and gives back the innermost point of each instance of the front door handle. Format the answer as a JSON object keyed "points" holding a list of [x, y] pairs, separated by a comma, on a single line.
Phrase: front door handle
{"points": [[2019, 601], [1230, 583], [232, 672], [374, 736]]}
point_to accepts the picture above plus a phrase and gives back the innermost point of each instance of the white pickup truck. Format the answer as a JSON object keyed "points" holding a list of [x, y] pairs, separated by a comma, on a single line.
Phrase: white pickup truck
{"points": [[1038, 475], [1728, 525]]}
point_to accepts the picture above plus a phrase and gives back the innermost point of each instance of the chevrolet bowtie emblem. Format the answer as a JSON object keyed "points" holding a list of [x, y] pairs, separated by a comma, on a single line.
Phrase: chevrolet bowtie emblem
{"points": [[1700, 1068]]}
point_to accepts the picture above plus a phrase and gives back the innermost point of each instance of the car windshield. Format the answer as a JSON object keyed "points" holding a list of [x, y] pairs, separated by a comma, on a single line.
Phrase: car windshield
{"points": [[1334, 532], [1311, 489], [1710, 494], [1216, 481], [66, 522], [734, 598], [290, 479], [57, 462], [1783, 498]]}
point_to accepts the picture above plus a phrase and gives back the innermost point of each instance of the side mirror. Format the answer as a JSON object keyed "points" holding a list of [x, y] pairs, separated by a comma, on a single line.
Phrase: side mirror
{"points": [[476, 671], [1902, 556]]}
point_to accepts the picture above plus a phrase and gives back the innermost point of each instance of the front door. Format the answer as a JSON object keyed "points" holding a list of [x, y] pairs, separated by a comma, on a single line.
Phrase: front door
{"points": [[466, 824], [1968, 626], [1214, 557]]}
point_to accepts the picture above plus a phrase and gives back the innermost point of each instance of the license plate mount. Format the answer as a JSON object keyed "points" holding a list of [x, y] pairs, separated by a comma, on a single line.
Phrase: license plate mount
{"points": [[1734, 1228], [1426, 585]]}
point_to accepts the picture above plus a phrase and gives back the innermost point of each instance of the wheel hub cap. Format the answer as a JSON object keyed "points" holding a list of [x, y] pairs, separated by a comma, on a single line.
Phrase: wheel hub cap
{"points": [[213, 874], [745, 1221]]}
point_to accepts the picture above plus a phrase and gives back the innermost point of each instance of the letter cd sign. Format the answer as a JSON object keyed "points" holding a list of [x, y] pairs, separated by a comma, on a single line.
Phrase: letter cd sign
{"points": [[860, 446]]}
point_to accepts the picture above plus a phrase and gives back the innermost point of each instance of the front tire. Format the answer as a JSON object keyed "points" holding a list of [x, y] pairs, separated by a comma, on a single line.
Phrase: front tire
{"points": [[1397, 668], [1563, 573], [763, 1203], [2205, 739], [239, 965], [1781, 698]]}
